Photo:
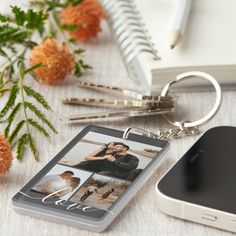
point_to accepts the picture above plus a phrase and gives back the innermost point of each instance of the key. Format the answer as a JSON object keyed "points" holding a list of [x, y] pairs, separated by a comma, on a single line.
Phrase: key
{"points": [[161, 103], [115, 114], [121, 91]]}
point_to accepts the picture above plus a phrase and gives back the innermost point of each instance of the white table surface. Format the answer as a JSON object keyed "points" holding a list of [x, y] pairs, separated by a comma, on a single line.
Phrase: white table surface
{"points": [[141, 216]]}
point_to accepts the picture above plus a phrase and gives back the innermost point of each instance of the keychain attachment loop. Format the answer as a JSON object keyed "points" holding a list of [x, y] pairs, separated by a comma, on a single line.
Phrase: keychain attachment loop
{"points": [[163, 134], [182, 128], [211, 113], [135, 129]]}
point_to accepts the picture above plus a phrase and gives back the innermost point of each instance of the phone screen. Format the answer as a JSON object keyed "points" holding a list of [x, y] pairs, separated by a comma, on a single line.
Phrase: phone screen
{"points": [[206, 174]]}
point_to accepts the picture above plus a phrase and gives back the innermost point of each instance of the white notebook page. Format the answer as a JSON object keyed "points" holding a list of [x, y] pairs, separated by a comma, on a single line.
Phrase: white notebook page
{"points": [[209, 38]]}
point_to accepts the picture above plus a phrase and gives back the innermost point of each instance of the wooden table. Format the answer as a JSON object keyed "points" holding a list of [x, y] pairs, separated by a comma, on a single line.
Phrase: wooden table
{"points": [[141, 216]]}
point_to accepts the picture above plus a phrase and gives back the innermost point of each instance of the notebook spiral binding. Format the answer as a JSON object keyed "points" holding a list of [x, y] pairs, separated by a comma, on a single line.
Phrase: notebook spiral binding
{"points": [[129, 32]]}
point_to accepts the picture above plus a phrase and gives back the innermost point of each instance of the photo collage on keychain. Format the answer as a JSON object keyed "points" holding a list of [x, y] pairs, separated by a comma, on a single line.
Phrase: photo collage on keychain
{"points": [[96, 171]]}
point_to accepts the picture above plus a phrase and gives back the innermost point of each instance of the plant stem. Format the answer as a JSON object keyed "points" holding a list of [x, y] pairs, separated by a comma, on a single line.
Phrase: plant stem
{"points": [[7, 64], [54, 21], [21, 84], [6, 78]]}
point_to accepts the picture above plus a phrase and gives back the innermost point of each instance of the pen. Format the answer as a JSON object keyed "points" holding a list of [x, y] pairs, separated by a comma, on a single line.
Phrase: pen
{"points": [[179, 22]]}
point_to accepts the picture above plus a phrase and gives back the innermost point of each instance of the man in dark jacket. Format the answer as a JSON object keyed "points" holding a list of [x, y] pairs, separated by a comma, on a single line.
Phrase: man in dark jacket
{"points": [[117, 162]]}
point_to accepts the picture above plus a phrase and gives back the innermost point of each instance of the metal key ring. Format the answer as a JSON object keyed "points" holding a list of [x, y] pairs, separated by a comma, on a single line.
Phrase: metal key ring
{"points": [[212, 112]]}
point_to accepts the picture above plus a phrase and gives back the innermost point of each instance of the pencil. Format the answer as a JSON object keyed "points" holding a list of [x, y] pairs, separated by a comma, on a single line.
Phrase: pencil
{"points": [[180, 19]]}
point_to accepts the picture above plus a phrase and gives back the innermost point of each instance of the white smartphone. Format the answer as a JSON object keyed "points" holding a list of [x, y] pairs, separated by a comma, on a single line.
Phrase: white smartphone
{"points": [[201, 186]]}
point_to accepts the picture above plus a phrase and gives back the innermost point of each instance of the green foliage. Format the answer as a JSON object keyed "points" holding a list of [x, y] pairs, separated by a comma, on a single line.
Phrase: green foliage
{"points": [[52, 4], [3, 91], [72, 41], [80, 66], [11, 118], [11, 35], [31, 69], [3, 83], [21, 31], [37, 96], [40, 115], [4, 18], [79, 51], [11, 99], [37, 126], [69, 27], [6, 75], [84, 66], [30, 19], [1, 78], [21, 146], [21, 91], [32, 147], [23, 101], [78, 69], [16, 131], [73, 2]]}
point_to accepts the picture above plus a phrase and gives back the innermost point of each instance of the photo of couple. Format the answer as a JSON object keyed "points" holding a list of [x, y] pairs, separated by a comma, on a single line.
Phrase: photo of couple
{"points": [[61, 182], [110, 156], [100, 191], [94, 188], [81, 187], [113, 160]]}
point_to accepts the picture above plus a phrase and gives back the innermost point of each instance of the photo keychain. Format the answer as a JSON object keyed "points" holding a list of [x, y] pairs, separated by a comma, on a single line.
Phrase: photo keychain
{"points": [[94, 176]]}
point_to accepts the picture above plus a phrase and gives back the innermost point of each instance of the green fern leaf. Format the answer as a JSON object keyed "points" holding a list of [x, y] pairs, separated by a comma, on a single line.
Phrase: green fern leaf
{"points": [[31, 69], [37, 126], [37, 96], [73, 2], [30, 18], [11, 100], [16, 131], [33, 147], [21, 146], [3, 91], [11, 118], [4, 18], [40, 115], [79, 51]]}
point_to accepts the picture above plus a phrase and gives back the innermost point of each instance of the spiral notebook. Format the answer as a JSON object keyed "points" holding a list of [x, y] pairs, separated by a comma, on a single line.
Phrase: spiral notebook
{"points": [[141, 29]]}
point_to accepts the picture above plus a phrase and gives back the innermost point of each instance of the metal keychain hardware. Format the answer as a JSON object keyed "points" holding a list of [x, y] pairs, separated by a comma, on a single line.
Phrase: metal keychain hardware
{"points": [[138, 104], [125, 92], [157, 104], [119, 102], [114, 114], [182, 128]]}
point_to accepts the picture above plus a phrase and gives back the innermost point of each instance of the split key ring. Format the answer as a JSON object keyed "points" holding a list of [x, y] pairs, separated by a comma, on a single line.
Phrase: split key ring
{"points": [[211, 113]]}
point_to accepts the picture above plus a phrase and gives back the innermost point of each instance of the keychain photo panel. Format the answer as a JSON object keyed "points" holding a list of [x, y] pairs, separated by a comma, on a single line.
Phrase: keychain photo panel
{"points": [[93, 174], [110, 156]]}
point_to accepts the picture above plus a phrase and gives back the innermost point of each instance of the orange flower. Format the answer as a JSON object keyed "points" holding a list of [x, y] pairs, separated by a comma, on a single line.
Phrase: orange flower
{"points": [[87, 16], [92, 7], [5, 155], [56, 59]]}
